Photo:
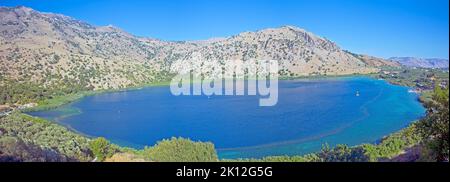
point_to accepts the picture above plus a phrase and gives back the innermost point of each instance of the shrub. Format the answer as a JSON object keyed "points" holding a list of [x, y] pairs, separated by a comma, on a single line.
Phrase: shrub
{"points": [[47, 135], [101, 148], [181, 150], [13, 149], [435, 127]]}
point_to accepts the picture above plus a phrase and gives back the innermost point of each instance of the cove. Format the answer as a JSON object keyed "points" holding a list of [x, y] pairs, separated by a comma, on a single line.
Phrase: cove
{"points": [[309, 113]]}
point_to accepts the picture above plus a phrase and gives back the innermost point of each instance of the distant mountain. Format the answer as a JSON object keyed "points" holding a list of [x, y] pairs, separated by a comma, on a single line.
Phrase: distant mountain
{"points": [[421, 62], [49, 49]]}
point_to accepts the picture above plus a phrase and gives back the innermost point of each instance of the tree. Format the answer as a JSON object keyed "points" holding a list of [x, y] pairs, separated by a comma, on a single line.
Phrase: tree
{"points": [[45, 135], [435, 126], [101, 148], [342, 153], [181, 150]]}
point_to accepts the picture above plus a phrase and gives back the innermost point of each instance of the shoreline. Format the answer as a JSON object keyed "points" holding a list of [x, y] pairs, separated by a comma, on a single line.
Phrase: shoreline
{"points": [[58, 101], [70, 98], [90, 93]]}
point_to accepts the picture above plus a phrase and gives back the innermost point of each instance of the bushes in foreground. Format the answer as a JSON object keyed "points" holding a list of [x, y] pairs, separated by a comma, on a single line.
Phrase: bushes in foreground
{"points": [[102, 149], [167, 150], [26, 138], [15, 150], [435, 127], [45, 135], [394, 144], [181, 150]]}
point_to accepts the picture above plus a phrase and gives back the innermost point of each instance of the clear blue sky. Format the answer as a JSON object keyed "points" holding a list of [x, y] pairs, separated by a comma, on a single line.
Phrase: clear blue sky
{"points": [[381, 28]]}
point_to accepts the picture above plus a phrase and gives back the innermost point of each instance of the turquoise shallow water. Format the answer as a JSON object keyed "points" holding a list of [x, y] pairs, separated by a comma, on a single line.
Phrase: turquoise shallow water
{"points": [[309, 113]]}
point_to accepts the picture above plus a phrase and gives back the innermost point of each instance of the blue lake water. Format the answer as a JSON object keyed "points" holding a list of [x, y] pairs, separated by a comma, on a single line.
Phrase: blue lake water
{"points": [[309, 113]]}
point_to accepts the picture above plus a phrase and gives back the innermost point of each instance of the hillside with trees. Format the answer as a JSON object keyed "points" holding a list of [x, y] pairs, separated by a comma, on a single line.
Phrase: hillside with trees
{"points": [[54, 55]]}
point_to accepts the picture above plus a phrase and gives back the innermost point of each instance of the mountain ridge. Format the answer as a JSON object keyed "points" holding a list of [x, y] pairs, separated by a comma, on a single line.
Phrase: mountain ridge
{"points": [[422, 62], [49, 49]]}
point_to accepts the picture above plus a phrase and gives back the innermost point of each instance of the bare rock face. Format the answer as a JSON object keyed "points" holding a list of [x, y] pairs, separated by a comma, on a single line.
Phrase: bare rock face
{"points": [[51, 48], [299, 53]]}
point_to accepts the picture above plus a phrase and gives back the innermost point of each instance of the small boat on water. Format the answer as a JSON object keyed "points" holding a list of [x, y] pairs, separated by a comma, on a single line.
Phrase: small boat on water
{"points": [[357, 93]]}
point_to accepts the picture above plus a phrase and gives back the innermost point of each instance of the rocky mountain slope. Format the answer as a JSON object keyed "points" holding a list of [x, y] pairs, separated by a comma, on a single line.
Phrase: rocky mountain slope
{"points": [[376, 62], [48, 48], [51, 49], [421, 62]]}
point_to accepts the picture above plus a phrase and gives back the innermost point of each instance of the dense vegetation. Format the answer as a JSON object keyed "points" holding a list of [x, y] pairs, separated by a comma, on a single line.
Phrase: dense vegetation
{"points": [[13, 149], [16, 92], [180, 150], [46, 135], [393, 145], [102, 148], [435, 127]]}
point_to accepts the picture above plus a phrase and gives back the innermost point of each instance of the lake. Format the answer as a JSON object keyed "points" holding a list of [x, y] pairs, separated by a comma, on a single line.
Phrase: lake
{"points": [[309, 113]]}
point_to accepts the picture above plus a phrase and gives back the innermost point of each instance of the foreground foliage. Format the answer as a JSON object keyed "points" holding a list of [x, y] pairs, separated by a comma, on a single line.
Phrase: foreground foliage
{"points": [[47, 136], [24, 138], [102, 148], [180, 150], [393, 145], [13, 149], [435, 127]]}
